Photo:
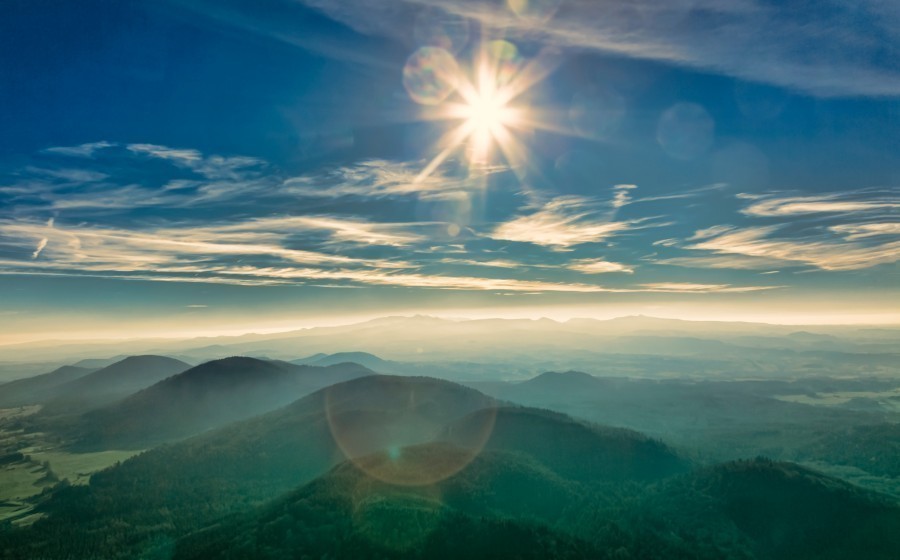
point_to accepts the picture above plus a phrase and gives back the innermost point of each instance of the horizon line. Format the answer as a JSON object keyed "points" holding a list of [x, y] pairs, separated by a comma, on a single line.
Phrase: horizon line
{"points": [[231, 333]]}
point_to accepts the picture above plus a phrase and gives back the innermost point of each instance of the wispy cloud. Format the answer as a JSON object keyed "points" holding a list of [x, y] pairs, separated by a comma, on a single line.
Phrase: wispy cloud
{"points": [[849, 230], [383, 179], [211, 167], [107, 249], [185, 157], [219, 180], [621, 195], [236, 255], [490, 263], [836, 49], [418, 280], [842, 203], [83, 150], [339, 230], [223, 181], [861, 231], [735, 262], [68, 175], [561, 223], [241, 255], [42, 244], [709, 232], [687, 287], [591, 266], [40, 247], [823, 253]]}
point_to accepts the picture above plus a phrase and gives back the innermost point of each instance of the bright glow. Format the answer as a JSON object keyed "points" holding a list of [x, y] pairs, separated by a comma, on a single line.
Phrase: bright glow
{"points": [[485, 107], [486, 115]]}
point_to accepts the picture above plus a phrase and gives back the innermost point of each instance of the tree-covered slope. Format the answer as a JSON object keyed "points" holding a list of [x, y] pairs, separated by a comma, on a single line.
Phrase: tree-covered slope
{"points": [[112, 383], [205, 397]]}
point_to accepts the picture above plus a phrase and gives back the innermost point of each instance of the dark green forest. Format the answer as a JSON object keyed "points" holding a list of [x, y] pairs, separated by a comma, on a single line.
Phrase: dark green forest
{"points": [[515, 482]]}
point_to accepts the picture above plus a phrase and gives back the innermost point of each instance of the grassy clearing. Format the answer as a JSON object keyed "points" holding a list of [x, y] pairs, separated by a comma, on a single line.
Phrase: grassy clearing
{"points": [[78, 467], [24, 479], [16, 512], [18, 481], [26, 520], [42, 466]]}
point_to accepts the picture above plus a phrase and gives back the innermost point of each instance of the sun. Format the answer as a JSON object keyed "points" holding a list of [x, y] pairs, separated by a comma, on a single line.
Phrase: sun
{"points": [[485, 103], [486, 113], [486, 116]]}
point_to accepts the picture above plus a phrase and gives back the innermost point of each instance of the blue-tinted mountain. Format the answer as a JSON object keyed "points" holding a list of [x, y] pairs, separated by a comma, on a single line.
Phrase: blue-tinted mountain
{"points": [[112, 383], [97, 363], [553, 382], [40, 388], [371, 361], [205, 397]]}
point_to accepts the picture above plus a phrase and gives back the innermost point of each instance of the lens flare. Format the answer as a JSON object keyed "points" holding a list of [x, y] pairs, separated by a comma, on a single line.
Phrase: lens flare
{"points": [[430, 75], [389, 427]]}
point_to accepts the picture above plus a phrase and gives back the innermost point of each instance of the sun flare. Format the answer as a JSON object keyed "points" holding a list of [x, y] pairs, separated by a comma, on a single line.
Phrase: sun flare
{"points": [[486, 112], [484, 104], [486, 116]]}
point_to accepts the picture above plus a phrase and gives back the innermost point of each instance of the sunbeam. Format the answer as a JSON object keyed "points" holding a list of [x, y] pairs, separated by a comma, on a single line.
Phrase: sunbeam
{"points": [[485, 102]]}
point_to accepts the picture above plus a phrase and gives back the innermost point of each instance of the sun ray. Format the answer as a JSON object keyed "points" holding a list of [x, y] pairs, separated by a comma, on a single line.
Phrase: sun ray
{"points": [[484, 99]]}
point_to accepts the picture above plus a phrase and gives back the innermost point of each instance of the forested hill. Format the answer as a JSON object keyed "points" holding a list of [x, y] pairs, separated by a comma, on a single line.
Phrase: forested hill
{"points": [[204, 397], [506, 505], [428, 468], [112, 383]]}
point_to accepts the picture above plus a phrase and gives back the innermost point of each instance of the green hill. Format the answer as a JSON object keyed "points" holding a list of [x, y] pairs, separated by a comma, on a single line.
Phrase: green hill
{"points": [[405, 467], [480, 513], [574, 449], [40, 388], [111, 383], [205, 397], [179, 487], [782, 511]]}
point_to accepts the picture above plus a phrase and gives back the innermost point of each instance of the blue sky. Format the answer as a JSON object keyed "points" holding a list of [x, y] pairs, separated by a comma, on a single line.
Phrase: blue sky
{"points": [[194, 165]]}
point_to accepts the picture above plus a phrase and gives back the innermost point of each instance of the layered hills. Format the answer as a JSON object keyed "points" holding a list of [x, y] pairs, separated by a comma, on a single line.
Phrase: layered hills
{"points": [[204, 397]]}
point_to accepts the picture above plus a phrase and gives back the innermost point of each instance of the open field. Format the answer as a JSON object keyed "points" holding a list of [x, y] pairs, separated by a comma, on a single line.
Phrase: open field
{"points": [[78, 467], [29, 464]]}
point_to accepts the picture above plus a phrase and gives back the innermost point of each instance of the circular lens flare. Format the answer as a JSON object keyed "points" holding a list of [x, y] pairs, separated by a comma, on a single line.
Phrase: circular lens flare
{"points": [[430, 75], [383, 424]]}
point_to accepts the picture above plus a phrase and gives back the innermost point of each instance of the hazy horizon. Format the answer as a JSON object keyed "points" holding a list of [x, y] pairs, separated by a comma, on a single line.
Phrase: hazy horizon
{"points": [[886, 320]]}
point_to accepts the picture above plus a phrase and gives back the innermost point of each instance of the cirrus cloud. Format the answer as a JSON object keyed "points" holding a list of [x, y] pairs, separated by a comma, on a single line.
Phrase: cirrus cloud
{"points": [[561, 223]]}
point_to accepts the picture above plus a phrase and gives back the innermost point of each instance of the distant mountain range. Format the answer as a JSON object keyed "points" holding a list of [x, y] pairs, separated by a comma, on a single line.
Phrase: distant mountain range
{"points": [[522, 347], [723, 420], [366, 359]]}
